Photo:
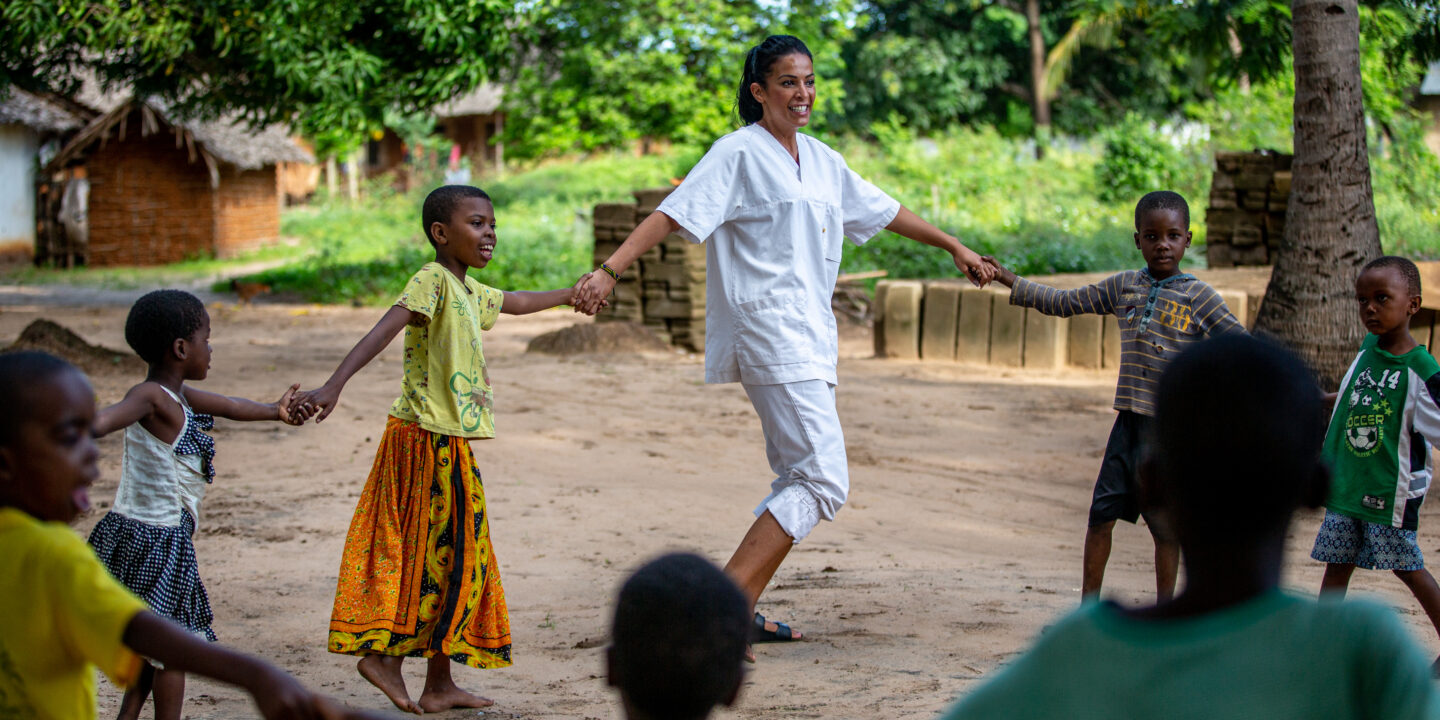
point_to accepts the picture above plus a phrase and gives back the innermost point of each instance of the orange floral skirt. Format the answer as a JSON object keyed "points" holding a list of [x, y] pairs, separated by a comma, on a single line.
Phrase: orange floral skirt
{"points": [[418, 576]]}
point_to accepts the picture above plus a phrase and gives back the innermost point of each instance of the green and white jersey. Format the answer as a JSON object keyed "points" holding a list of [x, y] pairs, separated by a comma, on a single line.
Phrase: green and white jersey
{"points": [[1378, 445]]}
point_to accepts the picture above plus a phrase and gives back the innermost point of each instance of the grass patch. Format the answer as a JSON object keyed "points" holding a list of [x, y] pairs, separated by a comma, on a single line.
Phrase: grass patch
{"points": [[133, 278]]}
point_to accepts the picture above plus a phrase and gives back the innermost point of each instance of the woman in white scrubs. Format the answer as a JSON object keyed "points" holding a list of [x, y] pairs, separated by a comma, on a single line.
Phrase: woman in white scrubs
{"points": [[772, 205]]}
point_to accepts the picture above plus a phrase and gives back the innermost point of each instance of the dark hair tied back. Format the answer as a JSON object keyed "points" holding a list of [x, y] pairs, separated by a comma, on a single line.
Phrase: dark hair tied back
{"points": [[757, 65]]}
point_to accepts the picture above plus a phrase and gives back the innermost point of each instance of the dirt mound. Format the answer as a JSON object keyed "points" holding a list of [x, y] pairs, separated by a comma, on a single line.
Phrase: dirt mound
{"points": [[58, 340], [610, 337]]}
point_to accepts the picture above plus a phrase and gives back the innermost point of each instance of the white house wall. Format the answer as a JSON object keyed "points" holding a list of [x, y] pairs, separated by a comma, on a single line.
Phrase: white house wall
{"points": [[18, 147]]}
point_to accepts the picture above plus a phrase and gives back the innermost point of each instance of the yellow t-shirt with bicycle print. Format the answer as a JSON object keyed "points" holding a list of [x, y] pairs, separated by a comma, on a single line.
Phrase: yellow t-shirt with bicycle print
{"points": [[445, 387]]}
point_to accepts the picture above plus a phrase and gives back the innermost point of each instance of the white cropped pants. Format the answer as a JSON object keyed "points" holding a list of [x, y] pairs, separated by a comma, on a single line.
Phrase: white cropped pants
{"points": [[806, 450]]}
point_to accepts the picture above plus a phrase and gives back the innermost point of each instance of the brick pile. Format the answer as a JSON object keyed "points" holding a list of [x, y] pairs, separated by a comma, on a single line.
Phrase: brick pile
{"points": [[664, 289], [1246, 217]]}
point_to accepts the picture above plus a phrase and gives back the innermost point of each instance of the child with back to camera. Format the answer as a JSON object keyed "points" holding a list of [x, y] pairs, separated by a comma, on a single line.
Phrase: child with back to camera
{"points": [[145, 539], [1378, 444], [418, 575], [62, 614], [678, 640], [1237, 450], [1161, 312]]}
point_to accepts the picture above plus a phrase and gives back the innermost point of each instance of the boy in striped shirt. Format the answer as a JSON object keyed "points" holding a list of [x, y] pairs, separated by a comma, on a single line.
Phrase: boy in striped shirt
{"points": [[1386, 417], [1161, 312]]}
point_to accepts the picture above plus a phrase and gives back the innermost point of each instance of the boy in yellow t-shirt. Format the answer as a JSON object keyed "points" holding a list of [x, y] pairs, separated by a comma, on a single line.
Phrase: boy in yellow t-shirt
{"points": [[61, 613], [418, 577]]}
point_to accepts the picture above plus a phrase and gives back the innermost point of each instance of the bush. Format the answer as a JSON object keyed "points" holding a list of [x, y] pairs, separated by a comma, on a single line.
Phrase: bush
{"points": [[1136, 159]]}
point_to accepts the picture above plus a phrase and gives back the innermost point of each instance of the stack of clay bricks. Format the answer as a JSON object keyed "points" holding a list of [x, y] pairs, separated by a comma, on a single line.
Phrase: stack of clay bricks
{"points": [[950, 321], [1246, 217], [663, 290]]}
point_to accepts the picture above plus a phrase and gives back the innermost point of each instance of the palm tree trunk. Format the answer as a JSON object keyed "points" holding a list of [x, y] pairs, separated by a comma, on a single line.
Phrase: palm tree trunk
{"points": [[1330, 230], [1040, 102]]}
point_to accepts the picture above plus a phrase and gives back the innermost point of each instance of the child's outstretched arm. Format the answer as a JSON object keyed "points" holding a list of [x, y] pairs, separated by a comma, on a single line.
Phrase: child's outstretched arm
{"points": [[325, 397], [276, 693], [143, 401], [234, 408], [524, 303]]}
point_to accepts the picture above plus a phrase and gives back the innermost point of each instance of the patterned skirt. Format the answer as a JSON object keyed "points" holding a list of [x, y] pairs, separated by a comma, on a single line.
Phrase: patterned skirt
{"points": [[418, 576], [157, 563]]}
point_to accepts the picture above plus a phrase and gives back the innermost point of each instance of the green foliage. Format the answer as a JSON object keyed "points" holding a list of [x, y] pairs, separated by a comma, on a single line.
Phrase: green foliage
{"points": [[1036, 217], [1258, 119], [1406, 178], [612, 72], [327, 65], [1137, 159], [929, 64]]}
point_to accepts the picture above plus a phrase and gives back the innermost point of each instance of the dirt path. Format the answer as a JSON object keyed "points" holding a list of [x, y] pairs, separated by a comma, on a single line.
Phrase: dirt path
{"points": [[961, 541]]}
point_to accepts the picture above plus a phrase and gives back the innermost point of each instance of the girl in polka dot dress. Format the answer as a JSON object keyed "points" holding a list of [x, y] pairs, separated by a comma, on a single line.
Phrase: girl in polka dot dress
{"points": [[145, 539]]}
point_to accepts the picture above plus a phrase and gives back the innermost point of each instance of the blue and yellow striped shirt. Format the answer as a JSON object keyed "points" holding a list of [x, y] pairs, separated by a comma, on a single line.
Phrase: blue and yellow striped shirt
{"points": [[1185, 310]]}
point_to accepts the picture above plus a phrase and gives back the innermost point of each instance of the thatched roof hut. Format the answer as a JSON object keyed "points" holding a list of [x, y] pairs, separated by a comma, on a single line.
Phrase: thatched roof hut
{"points": [[162, 189]]}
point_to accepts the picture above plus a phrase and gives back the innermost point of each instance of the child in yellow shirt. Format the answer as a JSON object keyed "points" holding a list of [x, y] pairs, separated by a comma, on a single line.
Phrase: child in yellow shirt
{"points": [[418, 576], [61, 613]]}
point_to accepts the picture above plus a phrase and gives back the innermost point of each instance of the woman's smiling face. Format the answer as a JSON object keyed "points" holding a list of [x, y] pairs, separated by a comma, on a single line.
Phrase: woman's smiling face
{"points": [[788, 94]]}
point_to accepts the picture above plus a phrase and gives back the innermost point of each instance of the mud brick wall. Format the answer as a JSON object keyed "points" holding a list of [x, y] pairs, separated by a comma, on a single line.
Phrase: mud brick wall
{"points": [[1245, 220], [950, 321], [148, 203], [247, 210], [665, 288]]}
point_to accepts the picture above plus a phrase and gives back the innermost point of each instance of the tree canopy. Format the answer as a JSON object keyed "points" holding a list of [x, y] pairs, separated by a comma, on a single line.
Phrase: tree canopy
{"points": [[323, 66]]}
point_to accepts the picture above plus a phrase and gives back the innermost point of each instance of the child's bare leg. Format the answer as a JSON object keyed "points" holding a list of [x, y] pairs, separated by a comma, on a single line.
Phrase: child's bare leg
{"points": [[441, 693], [1167, 568], [383, 671], [1422, 585], [1097, 554], [169, 694], [1337, 578], [136, 694]]}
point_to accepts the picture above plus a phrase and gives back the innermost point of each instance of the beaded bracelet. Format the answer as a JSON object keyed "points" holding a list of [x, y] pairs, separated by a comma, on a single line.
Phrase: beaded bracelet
{"points": [[610, 271]]}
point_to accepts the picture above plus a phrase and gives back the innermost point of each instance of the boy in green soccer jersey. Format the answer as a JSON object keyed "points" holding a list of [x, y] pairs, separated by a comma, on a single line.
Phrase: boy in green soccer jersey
{"points": [[1386, 417]]}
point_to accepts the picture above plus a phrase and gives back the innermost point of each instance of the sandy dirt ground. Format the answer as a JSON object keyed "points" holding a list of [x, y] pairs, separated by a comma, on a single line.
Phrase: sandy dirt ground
{"points": [[960, 543]]}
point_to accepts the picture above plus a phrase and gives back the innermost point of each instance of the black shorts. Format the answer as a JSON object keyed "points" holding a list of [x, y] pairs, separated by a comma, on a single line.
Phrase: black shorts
{"points": [[1117, 489]]}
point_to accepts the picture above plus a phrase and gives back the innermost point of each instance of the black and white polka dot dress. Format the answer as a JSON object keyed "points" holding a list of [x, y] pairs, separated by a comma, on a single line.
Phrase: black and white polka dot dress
{"points": [[145, 540]]}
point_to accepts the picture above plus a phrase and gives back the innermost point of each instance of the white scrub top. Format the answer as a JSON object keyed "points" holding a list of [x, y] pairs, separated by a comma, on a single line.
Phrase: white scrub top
{"points": [[774, 230]]}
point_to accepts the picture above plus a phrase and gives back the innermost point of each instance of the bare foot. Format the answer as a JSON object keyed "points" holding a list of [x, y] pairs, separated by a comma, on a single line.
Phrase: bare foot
{"points": [[451, 696], [383, 671]]}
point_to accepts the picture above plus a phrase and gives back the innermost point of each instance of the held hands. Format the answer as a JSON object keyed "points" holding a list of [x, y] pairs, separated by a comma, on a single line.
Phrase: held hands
{"points": [[322, 400], [592, 291], [1002, 275], [973, 267], [291, 413]]}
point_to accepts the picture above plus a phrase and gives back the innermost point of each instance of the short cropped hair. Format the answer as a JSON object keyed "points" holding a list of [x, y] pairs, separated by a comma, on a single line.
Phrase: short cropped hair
{"points": [[19, 372], [440, 204], [679, 637], [160, 318], [1238, 427], [1162, 200], [1407, 270]]}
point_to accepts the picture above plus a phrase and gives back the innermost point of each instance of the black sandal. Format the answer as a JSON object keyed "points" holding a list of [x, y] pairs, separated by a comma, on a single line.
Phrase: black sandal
{"points": [[781, 633]]}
